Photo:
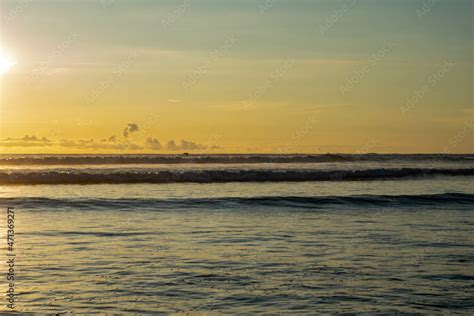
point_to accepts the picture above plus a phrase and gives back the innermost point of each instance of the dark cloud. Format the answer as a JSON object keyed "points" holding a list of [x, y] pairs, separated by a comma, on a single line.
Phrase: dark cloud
{"points": [[185, 145], [188, 145], [130, 128], [34, 141], [153, 143], [171, 145], [111, 143], [26, 141]]}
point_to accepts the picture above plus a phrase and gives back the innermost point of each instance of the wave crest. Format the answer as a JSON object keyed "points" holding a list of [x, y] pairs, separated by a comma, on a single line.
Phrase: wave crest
{"points": [[220, 158], [219, 176], [459, 199]]}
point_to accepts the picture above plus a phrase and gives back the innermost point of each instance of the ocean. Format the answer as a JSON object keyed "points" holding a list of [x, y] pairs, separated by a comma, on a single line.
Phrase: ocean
{"points": [[240, 234]]}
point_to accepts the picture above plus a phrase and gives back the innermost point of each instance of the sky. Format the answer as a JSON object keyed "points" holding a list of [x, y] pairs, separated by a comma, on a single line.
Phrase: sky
{"points": [[237, 76]]}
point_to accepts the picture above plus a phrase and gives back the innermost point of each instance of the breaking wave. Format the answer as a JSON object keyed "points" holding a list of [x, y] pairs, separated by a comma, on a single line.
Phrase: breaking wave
{"points": [[220, 159], [77, 176]]}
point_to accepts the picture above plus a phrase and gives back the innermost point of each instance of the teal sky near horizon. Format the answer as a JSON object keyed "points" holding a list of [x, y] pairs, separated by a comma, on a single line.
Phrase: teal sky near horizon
{"points": [[238, 76]]}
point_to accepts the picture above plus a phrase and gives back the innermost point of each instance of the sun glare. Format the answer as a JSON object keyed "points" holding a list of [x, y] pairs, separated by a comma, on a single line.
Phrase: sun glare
{"points": [[6, 63]]}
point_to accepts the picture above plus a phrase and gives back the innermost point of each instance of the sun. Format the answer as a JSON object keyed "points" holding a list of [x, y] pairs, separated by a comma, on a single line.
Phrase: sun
{"points": [[6, 63]]}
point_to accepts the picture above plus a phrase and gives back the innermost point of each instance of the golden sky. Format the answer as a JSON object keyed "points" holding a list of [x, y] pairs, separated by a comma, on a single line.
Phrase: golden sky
{"points": [[236, 76]]}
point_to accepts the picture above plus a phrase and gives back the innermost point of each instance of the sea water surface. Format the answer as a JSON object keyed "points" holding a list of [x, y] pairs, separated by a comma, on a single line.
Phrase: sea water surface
{"points": [[251, 234]]}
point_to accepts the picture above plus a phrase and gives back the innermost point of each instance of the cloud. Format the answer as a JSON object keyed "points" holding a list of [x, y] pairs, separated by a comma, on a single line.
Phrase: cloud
{"points": [[26, 141], [131, 146], [153, 143], [171, 145], [130, 128], [34, 141], [111, 139], [102, 144], [110, 143], [187, 145]]}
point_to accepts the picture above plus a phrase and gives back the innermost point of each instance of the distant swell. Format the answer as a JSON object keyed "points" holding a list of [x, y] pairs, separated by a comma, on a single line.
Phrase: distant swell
{"points": [[237, 202], [220, 158], [219, 176]]}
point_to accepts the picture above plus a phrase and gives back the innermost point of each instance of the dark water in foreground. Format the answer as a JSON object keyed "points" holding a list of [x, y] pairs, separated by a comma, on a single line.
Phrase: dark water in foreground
{"points": [[379, 245]]}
